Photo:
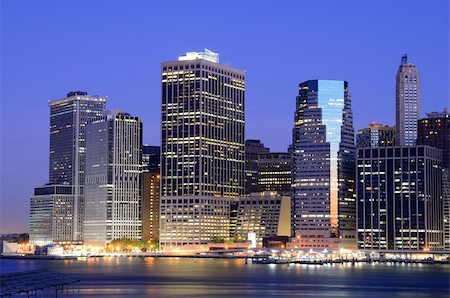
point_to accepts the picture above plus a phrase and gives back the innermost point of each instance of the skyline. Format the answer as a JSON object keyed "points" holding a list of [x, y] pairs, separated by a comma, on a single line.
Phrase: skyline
{"points": [[140, 92]]}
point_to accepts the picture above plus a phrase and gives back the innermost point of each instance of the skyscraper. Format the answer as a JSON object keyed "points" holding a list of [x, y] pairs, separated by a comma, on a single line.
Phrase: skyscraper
{"points": [[253, 148], [202, 147], [376, 135], [407, 102], [113, 178], [324, 211], [399, 198], [68, 119]]}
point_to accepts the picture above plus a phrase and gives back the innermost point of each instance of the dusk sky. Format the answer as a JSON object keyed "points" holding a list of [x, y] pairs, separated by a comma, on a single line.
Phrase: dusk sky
{"points": [[114, 49]]}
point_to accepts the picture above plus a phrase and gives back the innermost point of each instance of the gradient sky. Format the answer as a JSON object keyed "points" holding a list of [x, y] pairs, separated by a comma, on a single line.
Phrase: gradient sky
{"points": [[114, 49]]}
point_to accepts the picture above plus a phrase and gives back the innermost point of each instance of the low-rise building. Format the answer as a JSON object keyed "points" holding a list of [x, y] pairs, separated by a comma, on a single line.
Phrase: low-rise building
{"points": [[51, 214], [266, 214]]}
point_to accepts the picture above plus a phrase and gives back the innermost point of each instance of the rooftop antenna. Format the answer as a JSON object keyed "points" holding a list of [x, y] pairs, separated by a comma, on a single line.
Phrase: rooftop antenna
{"points": [[405, 59]]}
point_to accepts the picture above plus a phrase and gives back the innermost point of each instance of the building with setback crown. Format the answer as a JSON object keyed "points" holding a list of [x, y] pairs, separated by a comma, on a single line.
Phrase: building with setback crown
{"points": [[407, 98], [68, 119], [324, 207], [202, 147], [113, 178], [376, 135]]}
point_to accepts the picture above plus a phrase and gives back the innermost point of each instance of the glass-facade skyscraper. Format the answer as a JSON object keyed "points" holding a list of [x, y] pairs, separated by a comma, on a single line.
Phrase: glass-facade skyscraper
{"points": [[407, 98], [68, 119], [113, 178], [202, 147], [323, 172]]}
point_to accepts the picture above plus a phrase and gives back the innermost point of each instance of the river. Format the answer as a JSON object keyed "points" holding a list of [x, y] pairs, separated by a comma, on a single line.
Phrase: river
{"points": [[179, 277]]}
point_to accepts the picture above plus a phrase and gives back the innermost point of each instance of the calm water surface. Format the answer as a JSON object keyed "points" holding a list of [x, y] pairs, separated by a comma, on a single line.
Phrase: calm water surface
{"points": [[177, 277]]}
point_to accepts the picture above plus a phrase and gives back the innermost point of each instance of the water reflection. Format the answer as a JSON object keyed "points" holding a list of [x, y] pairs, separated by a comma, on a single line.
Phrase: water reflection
{"points": [[180, 277]]}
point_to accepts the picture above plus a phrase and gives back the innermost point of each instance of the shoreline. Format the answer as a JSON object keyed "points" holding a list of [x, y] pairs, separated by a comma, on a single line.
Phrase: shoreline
{"points": [[248, 259]]}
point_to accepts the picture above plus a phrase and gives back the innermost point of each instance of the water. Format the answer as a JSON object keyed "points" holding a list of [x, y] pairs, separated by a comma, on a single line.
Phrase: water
{"points": [[178, 277]]}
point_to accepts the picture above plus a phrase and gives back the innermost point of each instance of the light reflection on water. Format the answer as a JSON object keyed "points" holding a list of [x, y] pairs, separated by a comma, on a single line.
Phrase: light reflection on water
{"points": [[180, 277]]}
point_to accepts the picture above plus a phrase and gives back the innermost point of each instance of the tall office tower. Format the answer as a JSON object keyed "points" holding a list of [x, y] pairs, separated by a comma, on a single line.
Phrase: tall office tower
{"points": [[150, 206], [202, 147], [324, 207], [376, 135], [274, 172], [399, 198], [434, 130], [253, 148], [113, 178], [151, 158], [407, 98], [68, 118], [52, 214], [267, 214]]}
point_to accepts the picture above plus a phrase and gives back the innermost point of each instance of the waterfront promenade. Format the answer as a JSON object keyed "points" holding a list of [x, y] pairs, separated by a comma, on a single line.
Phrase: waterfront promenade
{"points": [[272, 256]]}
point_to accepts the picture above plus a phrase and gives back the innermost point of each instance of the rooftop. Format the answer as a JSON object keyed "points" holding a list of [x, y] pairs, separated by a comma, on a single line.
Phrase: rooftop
{"points": [[206, 55]]}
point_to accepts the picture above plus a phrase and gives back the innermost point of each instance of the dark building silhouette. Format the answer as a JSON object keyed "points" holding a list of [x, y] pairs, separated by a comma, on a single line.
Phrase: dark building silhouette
{"points": [[151, 156], [253, 148]]}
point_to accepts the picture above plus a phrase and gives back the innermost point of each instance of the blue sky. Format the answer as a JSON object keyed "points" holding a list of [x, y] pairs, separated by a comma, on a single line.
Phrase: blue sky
{"points": [[114, 49]]}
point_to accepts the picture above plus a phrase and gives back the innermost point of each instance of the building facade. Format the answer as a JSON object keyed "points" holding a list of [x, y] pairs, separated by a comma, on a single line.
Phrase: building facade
{"points": [[68, 119], [202, 147], [52, 214], [151, 158], [446, 206], [324, 206], [267, 214], [113, 179], [150, 206], [376, 135], [399, 198], [434, 131], [253, 148], [407, 97], [274, 172]]}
